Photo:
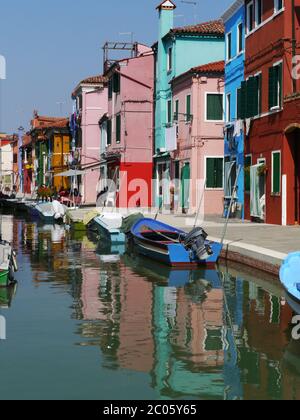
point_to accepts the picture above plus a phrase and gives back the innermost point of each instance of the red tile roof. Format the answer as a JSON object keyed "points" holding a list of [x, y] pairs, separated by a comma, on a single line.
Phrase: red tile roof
{"points": [[216, 67], [93, 80], [214, 27]]}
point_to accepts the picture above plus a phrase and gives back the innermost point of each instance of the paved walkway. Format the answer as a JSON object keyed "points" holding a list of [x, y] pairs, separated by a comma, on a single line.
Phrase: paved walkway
{"points": [[258, 245]]}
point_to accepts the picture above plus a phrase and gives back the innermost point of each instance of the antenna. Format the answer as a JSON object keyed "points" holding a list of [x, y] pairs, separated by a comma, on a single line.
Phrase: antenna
{"points": [[192, 3], [131, 34]]}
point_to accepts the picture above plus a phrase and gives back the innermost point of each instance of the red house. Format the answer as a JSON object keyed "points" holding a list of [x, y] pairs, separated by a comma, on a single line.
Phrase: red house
{"points": [[270, 102]]}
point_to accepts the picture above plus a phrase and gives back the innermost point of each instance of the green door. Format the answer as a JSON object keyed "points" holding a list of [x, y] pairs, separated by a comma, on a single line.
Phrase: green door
{"points": [[185, 186]]}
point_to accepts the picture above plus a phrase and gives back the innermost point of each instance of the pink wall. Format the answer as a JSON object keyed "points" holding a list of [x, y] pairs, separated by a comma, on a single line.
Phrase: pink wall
{"points": [[135, 105], [199, 139], [94, 106]]}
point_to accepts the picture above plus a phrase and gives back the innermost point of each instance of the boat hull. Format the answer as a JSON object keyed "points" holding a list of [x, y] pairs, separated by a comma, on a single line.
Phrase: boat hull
{"points": [[108, 234], [4, 278]]}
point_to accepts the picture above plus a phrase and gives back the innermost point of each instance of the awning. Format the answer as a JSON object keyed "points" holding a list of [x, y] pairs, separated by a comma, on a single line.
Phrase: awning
{"points": [[70, 173]]}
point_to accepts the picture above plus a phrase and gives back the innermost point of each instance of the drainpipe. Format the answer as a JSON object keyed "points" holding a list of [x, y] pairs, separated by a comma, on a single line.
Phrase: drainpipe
{"points": [[294, 41]]}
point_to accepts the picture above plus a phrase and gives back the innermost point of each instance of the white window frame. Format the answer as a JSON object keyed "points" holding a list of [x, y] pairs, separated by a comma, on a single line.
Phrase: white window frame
{"points": [[228, 108], [229, 54], [279, 106], [276, 6], [239, 48], [205, 172], [247, 17], [256, 13], [170, 59], [272, 164], [205, 107]]}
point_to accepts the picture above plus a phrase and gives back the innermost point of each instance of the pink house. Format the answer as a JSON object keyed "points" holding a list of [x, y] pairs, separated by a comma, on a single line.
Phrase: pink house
{"points": [[127, 141], [91, 104], [196, 139]]}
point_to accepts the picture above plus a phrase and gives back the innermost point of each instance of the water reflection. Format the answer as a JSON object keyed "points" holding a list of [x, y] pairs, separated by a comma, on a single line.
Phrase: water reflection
{"points": [[222, 334]]}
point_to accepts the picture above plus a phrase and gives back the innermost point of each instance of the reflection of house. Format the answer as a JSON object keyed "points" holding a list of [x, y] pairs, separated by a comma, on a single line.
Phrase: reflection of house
{"points": [[270, 99], [197, 131], [234, 19], [127, 128], [90, 98]]}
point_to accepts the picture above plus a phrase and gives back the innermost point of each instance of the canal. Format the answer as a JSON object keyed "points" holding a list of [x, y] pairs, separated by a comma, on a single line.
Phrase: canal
{"points": [[82, 324]]}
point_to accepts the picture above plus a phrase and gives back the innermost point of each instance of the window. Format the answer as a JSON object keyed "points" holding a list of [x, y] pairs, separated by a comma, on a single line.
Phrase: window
{"points": [[258, 12], [118, 128], [116, 82], [228, 47], [278, 5], [250, 17], [248, 164], [108, 132], [276, 172], [176, 113], [228, 107], [238, 104], [110, 88], [275, 86], [214, 107], [240, 38], [188, 108], [249, 98], [169, 112], [170, 59], [259, 96], [214, 172]]}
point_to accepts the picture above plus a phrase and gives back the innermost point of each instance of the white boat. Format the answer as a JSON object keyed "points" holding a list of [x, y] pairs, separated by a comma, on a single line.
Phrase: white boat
{"points": [[51, 212], [108, 225]]}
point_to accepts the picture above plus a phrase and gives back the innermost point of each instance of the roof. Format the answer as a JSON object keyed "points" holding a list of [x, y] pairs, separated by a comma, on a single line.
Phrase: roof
{"points": [[232, 9], [214, 27], [92, 81], [40, 122], [167, 4], [214, 68]]}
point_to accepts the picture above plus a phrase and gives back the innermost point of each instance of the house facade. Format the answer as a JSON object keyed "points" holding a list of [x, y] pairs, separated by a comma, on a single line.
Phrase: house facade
{"points": [[176, 52], [234, 20], [6, 164], [270, 103], [197, 161], [90, 104], [126, 131]]}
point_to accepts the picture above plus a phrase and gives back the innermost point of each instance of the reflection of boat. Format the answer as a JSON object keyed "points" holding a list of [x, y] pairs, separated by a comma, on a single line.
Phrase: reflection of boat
{"points": [[6, 295], [8, 264], [174, 247], [169, 276], [289, 277]]}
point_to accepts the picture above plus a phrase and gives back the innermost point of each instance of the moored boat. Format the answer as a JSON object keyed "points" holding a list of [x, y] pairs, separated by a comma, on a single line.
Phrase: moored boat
{"points": [[108, 226], [8, 264], [290, 278], [173, 246], [49, 212]]}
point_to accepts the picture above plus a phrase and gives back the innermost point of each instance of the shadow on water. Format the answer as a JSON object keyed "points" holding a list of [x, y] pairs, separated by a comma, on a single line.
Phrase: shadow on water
{"points": [[217, 334]]}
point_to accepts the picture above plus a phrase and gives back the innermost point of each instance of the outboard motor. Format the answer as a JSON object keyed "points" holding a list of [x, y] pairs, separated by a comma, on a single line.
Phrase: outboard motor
{"points": [[195, 241]]}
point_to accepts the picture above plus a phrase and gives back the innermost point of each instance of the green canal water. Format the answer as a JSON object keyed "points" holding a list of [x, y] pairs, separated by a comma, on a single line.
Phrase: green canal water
{"points": [[80, 325]]}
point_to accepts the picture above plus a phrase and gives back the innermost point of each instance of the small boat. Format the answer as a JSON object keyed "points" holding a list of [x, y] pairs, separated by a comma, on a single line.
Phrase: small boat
{"points": [[290, 277], [108, 226], [173, 246], [49, 212], [8, 264]]}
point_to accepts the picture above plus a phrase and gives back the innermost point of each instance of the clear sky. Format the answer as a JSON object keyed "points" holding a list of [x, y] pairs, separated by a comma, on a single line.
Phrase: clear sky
{"points": [[51, 45]]}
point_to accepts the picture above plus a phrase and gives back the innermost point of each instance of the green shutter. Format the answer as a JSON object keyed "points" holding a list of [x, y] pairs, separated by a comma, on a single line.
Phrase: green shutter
{"points": [[276, 171], [188, 108], [169, 112], [176, 114], [238, 100], [118, 128], [214, 107], [243, 100], [214, 172], [280, 71], [109, 132], [252, 97], [259, 80], [116, 82], [110, 88], [272, 87]]}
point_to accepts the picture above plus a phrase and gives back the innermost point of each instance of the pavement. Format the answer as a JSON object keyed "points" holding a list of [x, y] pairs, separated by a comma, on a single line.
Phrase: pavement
{"points": [[259, 246]]}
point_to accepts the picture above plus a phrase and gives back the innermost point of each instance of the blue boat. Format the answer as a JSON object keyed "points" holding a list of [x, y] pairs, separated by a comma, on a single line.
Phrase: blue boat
{"points": [[290, 277], [173, 246], [108, 226]]}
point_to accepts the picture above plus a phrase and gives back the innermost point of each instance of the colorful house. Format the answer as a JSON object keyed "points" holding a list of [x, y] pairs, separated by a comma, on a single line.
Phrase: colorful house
{"points": [[6, 164], [91, 103], [270, 103], [197, 139], [176, 52], [234, 20], [51, 141], [127, 131]]}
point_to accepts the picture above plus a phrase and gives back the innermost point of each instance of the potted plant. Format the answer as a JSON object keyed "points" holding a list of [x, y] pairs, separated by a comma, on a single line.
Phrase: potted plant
{"points": [[262, 170]]}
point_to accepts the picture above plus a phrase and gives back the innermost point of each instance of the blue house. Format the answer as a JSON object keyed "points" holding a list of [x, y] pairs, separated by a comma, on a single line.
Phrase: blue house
{"points": [[177, 51], [234, 20]]}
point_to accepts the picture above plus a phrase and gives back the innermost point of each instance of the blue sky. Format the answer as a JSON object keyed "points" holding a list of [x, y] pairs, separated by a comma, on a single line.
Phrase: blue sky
{"points": [[51, 45]]}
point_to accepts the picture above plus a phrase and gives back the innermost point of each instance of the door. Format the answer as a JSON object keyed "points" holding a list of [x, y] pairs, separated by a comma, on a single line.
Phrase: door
{"points": [[185, 187]]}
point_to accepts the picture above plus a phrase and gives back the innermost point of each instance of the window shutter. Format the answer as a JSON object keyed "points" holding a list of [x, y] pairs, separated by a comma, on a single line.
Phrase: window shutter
{"points": [[252, 97], [109, 132], [118, 128], [219, 172], [210, 173], [214, 107], [272, 87], [188, 108], [276, 173], [243, 100], [110, 88], [280, 71], [238, 100]]}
